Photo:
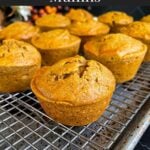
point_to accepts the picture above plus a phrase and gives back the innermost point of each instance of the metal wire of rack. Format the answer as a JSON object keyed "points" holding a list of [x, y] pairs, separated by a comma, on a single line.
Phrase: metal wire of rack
{"points": [[24, 125]]}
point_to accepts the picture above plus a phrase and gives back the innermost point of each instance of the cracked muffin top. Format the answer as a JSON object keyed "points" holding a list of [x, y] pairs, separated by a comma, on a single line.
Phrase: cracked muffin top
{"points": [[53, 21], [79, 15], [74, 81], [117, 46], [57, 38], [115, 18], [19, 31], [137, 29], [88, 28], [17, 53]]}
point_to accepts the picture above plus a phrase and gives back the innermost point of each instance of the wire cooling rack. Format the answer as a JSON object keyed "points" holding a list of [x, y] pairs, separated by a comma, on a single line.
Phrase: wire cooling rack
{"points": [[24, 125]]}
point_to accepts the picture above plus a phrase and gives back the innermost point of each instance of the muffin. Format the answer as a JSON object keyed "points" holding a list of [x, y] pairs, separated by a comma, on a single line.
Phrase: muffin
{"points": [[74, 91], [146, 18], [141, 31], [19, 31], [122, 54], [55, 45], [88, 30], [18, 62], [52, 21], [80, 15], [115, 19]]}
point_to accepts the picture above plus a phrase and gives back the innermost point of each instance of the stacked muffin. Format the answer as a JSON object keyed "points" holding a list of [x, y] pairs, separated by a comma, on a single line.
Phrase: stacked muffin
{"points": [[71, 89]]}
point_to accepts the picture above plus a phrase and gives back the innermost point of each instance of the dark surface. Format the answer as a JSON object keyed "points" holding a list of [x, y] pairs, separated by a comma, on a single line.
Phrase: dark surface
{"points": [[144, 143]]}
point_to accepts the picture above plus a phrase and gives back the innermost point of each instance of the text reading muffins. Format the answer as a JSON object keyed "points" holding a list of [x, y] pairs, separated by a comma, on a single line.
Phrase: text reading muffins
{"points": [[122, 54], [74, 91], [55, 45], [18, 63], [19, 31]]}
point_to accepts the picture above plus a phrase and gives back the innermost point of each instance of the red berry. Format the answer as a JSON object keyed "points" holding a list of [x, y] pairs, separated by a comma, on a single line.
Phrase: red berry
{"points": [[41, 11], [34, 17]]}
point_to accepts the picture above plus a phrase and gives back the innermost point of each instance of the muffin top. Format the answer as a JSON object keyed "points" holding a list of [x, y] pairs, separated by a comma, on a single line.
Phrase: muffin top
{"points": [[17, 53], [53, 21], [137, 29], [115, 18], [19, 31], [117, 45], [74, 81], [146, 18], [54, 39], [79, 15], [88, 28]]}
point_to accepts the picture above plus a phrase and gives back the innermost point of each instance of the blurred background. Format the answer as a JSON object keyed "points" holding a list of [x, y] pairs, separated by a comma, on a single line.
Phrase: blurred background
{"points": [[31, 13]]}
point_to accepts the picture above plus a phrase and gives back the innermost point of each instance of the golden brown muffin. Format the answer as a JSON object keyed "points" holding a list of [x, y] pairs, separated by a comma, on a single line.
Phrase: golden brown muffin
{"points": [[146, 18], [122, 54], [18, 63], [88, 30], [55, 45], [80, 15], [141, 31], [52, 21], [19, 31], [74, 91], [115, 19]]}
